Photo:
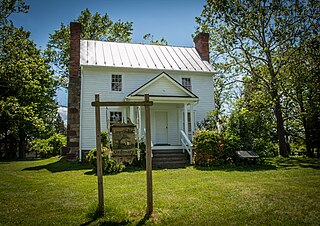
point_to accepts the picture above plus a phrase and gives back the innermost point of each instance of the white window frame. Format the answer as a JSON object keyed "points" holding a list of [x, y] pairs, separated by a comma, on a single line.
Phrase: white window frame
{"points": [[185, 85], [116, 80]]}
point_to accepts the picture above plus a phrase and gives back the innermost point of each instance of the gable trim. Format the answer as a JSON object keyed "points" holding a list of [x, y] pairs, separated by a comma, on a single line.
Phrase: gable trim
{"points": [[156, 78]]}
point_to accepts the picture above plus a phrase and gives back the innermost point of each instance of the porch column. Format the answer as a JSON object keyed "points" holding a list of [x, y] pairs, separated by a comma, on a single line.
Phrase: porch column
{"points": [[192, 120], [185, 119], [124, 119], [139, 123], [132, 114]]}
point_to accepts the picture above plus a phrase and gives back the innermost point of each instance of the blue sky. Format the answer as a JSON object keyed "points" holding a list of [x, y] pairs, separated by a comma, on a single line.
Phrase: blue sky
{"points": [[172, 19]]}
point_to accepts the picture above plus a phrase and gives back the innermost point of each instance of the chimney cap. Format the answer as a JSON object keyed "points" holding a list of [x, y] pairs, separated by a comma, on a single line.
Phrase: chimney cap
{"points": [[204, 35]]}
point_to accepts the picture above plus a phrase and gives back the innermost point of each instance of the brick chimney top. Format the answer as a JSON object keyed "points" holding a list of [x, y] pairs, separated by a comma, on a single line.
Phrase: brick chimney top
{"points": [[201, 42]]}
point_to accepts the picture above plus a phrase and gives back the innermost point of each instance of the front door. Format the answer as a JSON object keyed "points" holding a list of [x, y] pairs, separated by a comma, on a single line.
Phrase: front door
{"points": [[161, 127]]}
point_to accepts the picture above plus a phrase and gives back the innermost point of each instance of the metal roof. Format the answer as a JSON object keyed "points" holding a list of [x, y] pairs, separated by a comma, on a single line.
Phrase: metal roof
{"points": [[127, 55]]}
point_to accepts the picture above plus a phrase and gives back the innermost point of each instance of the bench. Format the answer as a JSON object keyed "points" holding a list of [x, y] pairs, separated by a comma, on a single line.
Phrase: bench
{"points": [[249, 156]]}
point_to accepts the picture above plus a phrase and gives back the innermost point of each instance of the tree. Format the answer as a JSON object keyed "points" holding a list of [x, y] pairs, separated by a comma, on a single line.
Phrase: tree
{"points": [[27, 87], [7, 7], [247, 35], [94, 27], [300, 84], [150, 37]]}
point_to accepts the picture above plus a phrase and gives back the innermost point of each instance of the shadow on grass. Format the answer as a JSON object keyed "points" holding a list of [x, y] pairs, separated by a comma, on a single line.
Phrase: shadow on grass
{"points": [[60, 166], [110, 217], [268, 164], [241, 168], [293, 162]]}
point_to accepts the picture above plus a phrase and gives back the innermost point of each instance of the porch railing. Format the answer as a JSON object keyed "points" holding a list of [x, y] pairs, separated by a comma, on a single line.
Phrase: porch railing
{"points": [[186, 144]]}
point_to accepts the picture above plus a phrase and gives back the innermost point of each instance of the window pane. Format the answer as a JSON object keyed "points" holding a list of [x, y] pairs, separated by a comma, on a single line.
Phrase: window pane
{"points": [[116, 83], [186, 82], [115, 117]]}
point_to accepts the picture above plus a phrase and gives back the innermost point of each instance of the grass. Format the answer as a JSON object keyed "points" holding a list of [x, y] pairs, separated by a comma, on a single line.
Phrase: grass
{"points": [[56, 192]]}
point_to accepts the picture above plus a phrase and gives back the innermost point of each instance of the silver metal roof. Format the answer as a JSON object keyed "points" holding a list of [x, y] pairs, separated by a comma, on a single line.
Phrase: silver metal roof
{"points": [[127, 55]]}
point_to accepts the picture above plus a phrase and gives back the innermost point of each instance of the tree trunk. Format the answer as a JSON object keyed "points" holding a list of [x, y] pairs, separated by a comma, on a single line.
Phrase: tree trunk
{"points": [[283, 148], [22, 144], [306, 127]]}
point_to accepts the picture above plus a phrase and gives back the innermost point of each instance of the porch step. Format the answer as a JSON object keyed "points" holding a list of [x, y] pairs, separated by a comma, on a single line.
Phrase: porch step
{"points": [[169, 159]]}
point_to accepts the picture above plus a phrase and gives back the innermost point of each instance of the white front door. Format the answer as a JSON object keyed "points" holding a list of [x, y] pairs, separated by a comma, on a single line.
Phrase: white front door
{"points": [[161, 127]]}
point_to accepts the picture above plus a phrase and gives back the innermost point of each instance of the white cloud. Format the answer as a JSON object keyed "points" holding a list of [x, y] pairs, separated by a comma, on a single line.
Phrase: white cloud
{"points": [[63, 111]]}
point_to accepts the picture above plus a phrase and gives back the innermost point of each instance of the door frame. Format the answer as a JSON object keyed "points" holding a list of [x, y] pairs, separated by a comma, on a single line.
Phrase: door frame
{"points": [[156, 128]]}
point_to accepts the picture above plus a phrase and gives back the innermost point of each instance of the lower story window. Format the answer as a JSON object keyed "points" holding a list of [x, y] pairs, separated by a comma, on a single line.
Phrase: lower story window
{"points": [[115, 117]]}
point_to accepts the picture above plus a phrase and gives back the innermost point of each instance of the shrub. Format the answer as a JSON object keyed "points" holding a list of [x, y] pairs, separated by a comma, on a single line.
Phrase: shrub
{"points": [[49, 147], [56, 142], [109, 166], [209, 148], [42, 147]]}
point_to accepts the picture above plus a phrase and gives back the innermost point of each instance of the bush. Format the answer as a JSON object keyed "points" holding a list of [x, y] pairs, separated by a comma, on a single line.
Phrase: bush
{"points": [[49, 147], [56, 142], [209, 148], [109, 166]]}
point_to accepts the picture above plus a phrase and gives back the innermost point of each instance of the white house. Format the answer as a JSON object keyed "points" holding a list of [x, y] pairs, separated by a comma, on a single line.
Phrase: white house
{"points": [[178, 80]]}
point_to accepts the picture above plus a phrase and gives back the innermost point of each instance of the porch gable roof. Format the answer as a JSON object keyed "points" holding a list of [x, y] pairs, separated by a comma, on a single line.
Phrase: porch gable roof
{"points": [[164, 86]]}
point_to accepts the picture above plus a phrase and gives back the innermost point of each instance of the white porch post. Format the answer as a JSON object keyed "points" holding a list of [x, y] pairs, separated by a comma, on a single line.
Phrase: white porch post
{"points": [[139, 123], [132, 114], [192, 120], [124, 119], [185, 119]]}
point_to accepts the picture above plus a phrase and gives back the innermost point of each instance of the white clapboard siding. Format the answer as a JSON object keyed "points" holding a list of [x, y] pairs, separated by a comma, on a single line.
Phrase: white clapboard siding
{"points": [[163, 87], [98, 80]]}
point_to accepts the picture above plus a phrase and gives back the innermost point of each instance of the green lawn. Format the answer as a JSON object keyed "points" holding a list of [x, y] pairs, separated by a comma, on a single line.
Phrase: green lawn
{"points": [[56, 192]]}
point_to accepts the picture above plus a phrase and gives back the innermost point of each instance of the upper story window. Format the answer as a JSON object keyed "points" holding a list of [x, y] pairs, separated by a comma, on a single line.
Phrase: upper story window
{"points": [[186, 82], [116, 83]]}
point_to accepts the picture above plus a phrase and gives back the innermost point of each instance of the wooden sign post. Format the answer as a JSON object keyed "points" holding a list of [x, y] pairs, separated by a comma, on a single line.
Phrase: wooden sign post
{"points": [[148, 159], [97, 104], [99, 158]]}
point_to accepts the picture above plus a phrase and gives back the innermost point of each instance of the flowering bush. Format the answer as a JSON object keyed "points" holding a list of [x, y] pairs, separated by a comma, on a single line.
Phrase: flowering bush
{"points": [[209, 148]]}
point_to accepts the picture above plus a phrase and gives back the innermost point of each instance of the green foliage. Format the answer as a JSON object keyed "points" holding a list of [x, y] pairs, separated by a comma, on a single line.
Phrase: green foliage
{"points": [[150, 37], [104, 139], [256, 39], [7, 7], [49, 147], [94, 27], [27, 88], [209, 148], [109, 166]]}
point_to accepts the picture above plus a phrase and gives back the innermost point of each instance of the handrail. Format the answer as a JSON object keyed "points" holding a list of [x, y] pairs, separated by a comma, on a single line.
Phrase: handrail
{"points": [[186, 144]]}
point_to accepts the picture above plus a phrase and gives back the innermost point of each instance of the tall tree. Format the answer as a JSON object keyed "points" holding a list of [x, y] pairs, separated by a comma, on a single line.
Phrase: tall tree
{"points": [[94, 27], [249, 34], [27, 87], [301, 88], [7, 7]]}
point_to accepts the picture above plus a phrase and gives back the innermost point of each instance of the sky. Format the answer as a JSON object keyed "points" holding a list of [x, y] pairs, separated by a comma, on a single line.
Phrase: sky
{"points": [[173, 20]]}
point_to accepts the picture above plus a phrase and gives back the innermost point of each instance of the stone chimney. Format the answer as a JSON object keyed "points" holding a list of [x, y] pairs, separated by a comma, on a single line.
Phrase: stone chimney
{"points": [[74, 90], [201, 42]]}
